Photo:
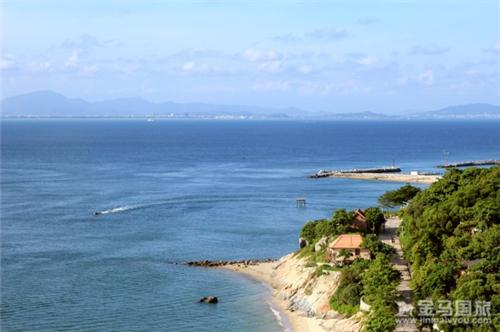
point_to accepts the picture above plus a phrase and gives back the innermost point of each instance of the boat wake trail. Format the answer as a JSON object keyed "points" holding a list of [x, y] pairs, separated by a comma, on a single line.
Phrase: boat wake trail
{"points": [[176, 201], [119, 209]]}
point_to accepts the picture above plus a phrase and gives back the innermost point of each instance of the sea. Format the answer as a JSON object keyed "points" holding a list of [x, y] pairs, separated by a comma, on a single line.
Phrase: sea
{"points": [[172, 191]]}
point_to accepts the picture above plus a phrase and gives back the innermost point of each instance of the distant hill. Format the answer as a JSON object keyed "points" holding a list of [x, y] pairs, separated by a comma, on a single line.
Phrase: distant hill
{"points": [[469, 111], [52, 104], [358, 116]]}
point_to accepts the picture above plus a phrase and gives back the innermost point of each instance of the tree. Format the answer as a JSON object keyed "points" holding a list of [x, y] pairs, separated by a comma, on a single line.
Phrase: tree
{"points": [[342, 220], [350, 288], [380, 281], [382, 319], [450, 235], [374, 219], [398, 197], [372, 243]]}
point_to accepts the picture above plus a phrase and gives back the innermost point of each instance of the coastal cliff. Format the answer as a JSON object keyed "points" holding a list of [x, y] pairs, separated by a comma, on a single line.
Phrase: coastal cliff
{"points": [[297, 283], [301, 294]]}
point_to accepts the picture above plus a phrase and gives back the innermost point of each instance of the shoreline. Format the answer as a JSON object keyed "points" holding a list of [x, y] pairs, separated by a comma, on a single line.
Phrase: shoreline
{"points": [[290, 320], [392, 177]]}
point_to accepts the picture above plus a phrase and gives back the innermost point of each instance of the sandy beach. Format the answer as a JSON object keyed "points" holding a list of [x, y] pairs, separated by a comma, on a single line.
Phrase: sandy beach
{"points": [[263, 272]]}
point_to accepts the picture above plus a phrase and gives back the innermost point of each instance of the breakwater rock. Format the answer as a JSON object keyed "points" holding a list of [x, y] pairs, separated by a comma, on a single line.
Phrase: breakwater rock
{"points": [[209, 299], [219, 263]]}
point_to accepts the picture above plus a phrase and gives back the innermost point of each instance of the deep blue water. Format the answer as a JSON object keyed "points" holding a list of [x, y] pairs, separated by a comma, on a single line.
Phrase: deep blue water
{"points": [[178, 191]]}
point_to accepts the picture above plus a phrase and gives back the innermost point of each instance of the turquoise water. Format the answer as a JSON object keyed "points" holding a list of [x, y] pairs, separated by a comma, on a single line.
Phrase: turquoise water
{"points": [[175, 191]]}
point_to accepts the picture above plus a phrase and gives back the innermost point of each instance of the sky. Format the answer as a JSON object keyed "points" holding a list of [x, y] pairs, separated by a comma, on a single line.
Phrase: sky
{"points": [[333, 56]]}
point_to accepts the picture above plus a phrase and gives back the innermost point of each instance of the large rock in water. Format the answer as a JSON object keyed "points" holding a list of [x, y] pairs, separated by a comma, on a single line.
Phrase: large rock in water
{"points": [[302, 242], [209, 299]]}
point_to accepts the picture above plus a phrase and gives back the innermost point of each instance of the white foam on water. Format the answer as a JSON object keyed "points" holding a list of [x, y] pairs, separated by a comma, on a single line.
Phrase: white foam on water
{"points": [[120, 209], [283, 323]]}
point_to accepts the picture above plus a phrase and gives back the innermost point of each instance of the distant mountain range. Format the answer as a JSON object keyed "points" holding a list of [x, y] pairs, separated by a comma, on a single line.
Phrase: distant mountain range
{"points": [[469, 111], [42, 104]]}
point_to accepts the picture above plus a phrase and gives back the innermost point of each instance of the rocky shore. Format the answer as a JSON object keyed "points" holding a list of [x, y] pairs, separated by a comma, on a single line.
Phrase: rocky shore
{"points": [[221, 263], [297, 291]]}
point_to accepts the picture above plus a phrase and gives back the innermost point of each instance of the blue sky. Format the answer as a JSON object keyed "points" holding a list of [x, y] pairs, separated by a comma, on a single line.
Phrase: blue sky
{"points": [[337, 56]]}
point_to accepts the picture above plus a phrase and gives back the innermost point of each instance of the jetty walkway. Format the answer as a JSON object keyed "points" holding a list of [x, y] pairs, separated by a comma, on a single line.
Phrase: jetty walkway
{"points": [[391, 177]]}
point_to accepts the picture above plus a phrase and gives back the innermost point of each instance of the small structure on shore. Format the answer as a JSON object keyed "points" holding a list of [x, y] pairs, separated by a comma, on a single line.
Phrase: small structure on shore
{"points": [[301, 202], [346, 247]]}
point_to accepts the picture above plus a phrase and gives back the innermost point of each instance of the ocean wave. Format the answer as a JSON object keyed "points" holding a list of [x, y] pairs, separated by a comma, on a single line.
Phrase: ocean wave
{"points": [[279, 318]]}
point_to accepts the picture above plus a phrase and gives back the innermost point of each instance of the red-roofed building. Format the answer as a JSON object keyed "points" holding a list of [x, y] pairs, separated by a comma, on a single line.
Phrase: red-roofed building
{"points": [[359, 221], [346, 242]]}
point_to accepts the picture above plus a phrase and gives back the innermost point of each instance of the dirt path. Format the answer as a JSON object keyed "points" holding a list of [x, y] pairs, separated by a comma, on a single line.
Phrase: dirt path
{"points": [[390, 237]]}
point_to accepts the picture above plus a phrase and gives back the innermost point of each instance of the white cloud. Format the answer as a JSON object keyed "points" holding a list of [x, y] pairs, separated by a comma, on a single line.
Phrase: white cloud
{"points": [[255, 55], [73, 59], [86, 42], [304, 69], [7, 62], [326, 34], [271, 66], [367, 61], [431, 49], [367, 21], [74, 62], [41, 65], [288, 38], [272, 86], [495, 49], [426, 77], [88, 69], [193, 67]]}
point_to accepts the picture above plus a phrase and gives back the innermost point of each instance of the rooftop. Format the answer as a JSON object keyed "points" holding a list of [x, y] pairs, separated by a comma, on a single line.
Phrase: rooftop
{"points": [[347, 241]]}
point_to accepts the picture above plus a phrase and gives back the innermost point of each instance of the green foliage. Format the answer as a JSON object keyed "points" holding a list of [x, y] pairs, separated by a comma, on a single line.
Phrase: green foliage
{"points": [[434, 279], [312, 231], [340, 223], [374, 218], [372, 243], [324, 269], [346, 298], [346, 254], [382, 318], [341, 220], [312, 256], [451, 235], [398, 197], [380, 281]]}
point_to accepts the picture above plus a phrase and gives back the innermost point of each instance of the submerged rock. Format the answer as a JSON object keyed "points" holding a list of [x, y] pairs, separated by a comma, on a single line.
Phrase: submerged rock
{"points": [[209, 299]]}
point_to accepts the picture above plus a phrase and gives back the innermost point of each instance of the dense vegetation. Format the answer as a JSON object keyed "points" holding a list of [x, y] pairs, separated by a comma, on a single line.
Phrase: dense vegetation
{"points": [[376, 282], [451, 236], [372, 243], [379, 288], [398, 197], [340, 223], [346, 297]]}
